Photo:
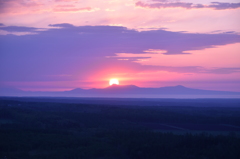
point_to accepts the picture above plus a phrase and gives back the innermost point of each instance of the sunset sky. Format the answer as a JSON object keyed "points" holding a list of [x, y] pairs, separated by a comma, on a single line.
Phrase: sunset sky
{"points": [[56, 45]]}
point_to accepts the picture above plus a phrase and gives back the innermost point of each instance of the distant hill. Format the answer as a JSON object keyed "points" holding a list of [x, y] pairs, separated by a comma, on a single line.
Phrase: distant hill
{"points": [[120, 91], [132, 89]]}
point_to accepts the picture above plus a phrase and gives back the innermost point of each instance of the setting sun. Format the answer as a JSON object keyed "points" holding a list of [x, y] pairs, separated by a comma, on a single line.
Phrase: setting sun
{"points": [[113, 81]]}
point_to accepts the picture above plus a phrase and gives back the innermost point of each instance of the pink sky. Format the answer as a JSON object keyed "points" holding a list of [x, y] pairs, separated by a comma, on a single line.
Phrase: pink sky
{"points": [[64, 44]]}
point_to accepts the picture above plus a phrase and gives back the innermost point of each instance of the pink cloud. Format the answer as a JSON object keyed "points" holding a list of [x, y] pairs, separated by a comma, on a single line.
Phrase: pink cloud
{"points": [[70, 8], [29, 7], [58, 6], [19, 6], [66, 0]]}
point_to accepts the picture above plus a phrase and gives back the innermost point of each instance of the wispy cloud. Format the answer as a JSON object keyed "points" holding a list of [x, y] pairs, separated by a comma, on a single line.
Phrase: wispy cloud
{"points": [[165, 4], [66, 0], [18, 28], [71, 8], [37, 6], [19, 6]]}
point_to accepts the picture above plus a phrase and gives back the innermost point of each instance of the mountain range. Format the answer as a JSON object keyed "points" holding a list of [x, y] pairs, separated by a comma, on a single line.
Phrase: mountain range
{"points": [[123, 91]]}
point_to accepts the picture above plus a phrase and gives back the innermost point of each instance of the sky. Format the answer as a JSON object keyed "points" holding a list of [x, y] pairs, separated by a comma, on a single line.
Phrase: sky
{"points": [[58, 45]]}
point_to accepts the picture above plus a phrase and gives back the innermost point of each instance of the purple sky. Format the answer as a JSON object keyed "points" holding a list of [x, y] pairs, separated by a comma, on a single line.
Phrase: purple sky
{"points": [[65, 44]]}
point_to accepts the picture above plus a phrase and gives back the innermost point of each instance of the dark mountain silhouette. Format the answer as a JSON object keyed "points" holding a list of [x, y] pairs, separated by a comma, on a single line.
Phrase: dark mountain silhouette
{"points": [[120, 90], [132, 89]]}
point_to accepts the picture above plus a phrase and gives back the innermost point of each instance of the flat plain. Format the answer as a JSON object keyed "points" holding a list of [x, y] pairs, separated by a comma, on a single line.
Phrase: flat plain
{"points": [[119, 128]]}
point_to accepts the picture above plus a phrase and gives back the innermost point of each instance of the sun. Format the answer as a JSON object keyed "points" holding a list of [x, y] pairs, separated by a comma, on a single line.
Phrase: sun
{"points": [[113, 81]]}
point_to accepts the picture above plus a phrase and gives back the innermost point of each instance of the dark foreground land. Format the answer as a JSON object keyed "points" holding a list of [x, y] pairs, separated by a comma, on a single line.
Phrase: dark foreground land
{"points": [[91, 128]]}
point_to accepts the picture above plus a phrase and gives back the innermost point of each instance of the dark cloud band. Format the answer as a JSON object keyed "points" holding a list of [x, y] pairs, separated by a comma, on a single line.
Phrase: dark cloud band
{"points": [[82, 51]]}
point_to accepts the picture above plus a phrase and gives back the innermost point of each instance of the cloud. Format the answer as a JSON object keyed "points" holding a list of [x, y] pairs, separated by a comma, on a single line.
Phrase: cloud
{"points": [[18, 28], [223, 70], [82, 51], [62, 25], [71, 8], [161, 0], [86, 9], [213, 5], [19, 6], [37, 6], [167, 5], [66, 0], [221, 6]]}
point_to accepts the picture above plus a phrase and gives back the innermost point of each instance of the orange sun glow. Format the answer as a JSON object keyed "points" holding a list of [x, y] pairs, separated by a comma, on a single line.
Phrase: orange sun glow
{"points": [[113, 81]]}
